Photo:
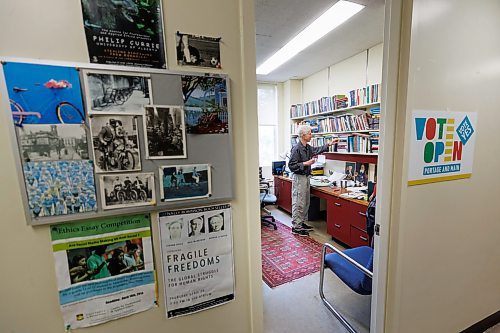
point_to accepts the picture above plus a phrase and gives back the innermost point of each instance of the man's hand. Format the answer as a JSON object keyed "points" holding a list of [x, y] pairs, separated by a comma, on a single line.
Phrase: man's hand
{"points": [[310, 162], [333, 141]]}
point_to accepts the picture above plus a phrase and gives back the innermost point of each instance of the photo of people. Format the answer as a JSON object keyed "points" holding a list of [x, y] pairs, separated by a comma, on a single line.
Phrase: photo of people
{"points": [[196, 226], [52, 142], [60, 187], [127, 190], [206, 105], [115, 143], [117, 92], [175, 229], [165, 133], [182, 182], [199, 51], [216, 223], [361, 175], [350, 170], [138, 24], [102, 261]]}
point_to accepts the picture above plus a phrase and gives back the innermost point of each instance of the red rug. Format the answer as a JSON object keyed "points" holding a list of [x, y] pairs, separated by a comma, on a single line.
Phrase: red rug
{"points": [[287, 257]]}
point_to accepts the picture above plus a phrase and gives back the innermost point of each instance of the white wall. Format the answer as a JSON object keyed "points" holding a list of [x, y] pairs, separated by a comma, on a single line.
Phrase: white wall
{"points": [[314, 86], [444, 268], [349, 74], [53, 29]]}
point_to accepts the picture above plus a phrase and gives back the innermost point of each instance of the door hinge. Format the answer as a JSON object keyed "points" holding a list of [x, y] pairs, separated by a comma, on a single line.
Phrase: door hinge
{"points": [[377, 229]]}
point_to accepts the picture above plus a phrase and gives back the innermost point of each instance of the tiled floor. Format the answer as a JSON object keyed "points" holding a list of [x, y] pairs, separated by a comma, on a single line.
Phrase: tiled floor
{"points": [[295, 307]]}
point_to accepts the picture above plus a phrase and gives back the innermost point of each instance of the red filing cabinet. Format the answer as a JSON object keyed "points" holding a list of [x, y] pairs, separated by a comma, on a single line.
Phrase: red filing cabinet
{"points": [[283, 192], [346, 222]]}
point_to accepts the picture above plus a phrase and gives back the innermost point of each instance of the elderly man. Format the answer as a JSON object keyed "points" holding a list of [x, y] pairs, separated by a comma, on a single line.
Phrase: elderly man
{"points": [[301, 159]]}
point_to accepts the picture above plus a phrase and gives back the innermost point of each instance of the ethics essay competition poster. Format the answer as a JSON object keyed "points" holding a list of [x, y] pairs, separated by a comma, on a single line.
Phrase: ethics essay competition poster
{"points": [[197, 258], [104, 269]]}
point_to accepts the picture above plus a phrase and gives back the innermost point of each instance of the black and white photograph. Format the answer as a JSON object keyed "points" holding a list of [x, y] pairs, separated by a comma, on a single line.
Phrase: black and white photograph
{"points": [[165, 132], [127, 190], [181, 182], [52, 142], [115, 143], [216, 222], [201, 51], [117, 92]]}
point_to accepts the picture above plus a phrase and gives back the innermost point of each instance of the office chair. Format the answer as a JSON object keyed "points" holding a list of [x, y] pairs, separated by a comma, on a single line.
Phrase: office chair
{"points": [[354, 267], [267, 198]]}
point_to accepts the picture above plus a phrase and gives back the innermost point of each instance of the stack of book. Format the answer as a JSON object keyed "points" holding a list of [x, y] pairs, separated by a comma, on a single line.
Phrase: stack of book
{"points": [[367, 95]]}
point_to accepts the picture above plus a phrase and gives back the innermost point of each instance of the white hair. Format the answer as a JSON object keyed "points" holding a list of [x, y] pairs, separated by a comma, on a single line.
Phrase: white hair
{"points": [[303, 130]]}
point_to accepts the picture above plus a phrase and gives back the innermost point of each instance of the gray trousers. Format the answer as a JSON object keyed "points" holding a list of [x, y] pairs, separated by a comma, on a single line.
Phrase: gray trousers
{"points": [[300, 199]]}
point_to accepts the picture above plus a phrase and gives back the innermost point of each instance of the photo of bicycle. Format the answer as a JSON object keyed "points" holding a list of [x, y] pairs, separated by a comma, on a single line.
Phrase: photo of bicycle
{"points": [[115, 143], [115, 92], [127, 190], [43, 94]]}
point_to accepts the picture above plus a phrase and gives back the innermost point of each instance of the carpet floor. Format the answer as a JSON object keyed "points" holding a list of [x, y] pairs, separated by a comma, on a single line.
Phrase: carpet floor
{"points": [[287, 257]]}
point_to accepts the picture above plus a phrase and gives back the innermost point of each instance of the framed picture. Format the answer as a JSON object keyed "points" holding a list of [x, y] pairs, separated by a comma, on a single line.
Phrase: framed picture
{"points": [[165, 132], [115, 143], [350, 170], [116, 92], [198, 51], [182, 182], [127, 190]]}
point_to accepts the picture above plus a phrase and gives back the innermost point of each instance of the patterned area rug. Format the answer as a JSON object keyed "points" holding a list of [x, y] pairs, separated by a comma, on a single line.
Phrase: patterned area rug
{"points": [[286, 257]]}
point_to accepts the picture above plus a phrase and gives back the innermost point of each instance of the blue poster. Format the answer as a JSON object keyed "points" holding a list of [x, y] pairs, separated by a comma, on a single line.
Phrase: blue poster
{"points": [[44, 94]]}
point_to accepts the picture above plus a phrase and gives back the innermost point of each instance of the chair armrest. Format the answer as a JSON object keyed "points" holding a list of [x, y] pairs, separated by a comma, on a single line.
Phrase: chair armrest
{"points": [[346, 257]]}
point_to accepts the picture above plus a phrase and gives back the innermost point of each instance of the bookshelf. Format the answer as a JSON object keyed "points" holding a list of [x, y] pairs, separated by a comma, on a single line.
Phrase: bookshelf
{"points": [[352, 118]]}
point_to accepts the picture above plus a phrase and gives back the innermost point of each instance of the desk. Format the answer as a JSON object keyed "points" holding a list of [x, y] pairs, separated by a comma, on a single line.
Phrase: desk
{"points": [[345, 218]]}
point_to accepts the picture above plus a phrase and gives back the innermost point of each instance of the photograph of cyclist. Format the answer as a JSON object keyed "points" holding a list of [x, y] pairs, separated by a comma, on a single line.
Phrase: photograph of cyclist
{"points": [[116, 92], [205, 104], [196, 182], [43, 94], [59, 187], [52, 142], [198, 51], [165, 133], [127, 190], [138, 22], [115, 143]]}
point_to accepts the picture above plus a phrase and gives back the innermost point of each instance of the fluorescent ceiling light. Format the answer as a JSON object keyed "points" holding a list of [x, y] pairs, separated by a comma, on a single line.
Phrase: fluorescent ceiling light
{"points": [[329, 20]]}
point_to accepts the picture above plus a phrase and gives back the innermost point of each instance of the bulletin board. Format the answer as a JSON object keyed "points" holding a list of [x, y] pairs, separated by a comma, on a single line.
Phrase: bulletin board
{"points": [[96, 138]]}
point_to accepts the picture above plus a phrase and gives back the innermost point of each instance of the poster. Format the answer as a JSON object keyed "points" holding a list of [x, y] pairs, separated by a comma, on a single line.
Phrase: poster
{"points": [[441, 146], [198, 51], [43, 94], [165, 132], [104, 269], [117, 92], [197, 258], [124, 32], [205, 104], [181, 182]]}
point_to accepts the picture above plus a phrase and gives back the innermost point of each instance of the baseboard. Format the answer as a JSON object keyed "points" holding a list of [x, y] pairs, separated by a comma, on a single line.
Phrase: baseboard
{"points": [[484, 324]]}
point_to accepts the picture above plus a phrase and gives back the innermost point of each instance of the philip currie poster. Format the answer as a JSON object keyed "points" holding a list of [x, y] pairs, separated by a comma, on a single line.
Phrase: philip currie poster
{"points": [[104, 269], [124, 32], [197, 258], [441, 146]]}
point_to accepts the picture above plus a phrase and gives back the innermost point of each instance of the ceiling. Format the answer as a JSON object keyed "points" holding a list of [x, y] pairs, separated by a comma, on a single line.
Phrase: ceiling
{"points": [[278, 21]]}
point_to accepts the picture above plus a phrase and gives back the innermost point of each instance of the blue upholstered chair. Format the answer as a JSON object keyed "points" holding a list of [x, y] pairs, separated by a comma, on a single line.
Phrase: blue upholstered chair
{"points": [[354, 267], [266, 198]]}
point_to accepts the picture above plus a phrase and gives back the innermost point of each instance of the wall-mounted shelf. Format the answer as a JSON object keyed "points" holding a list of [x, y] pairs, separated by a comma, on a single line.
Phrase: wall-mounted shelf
{"points": [[326, 113]]}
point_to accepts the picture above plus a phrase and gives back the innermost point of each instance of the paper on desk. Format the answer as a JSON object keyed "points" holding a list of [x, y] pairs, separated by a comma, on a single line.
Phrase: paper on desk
{"points": [[321, 159], [336, 176]]}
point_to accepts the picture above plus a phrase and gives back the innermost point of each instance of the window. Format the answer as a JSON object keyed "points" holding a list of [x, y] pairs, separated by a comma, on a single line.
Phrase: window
{"points": [[267, 105]]}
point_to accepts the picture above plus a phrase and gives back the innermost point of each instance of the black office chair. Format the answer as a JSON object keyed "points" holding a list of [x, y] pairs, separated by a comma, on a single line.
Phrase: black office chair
{"points": [[267, 198], [354, 267]]}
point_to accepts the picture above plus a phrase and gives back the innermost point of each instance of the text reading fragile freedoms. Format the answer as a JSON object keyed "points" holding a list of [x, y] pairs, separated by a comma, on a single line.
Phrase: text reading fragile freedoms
{"points": [[190, 260]]}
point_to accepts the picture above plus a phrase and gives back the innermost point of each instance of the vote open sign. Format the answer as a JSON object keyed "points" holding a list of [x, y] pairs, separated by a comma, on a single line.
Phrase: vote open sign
{"points": [[441, 150]]}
